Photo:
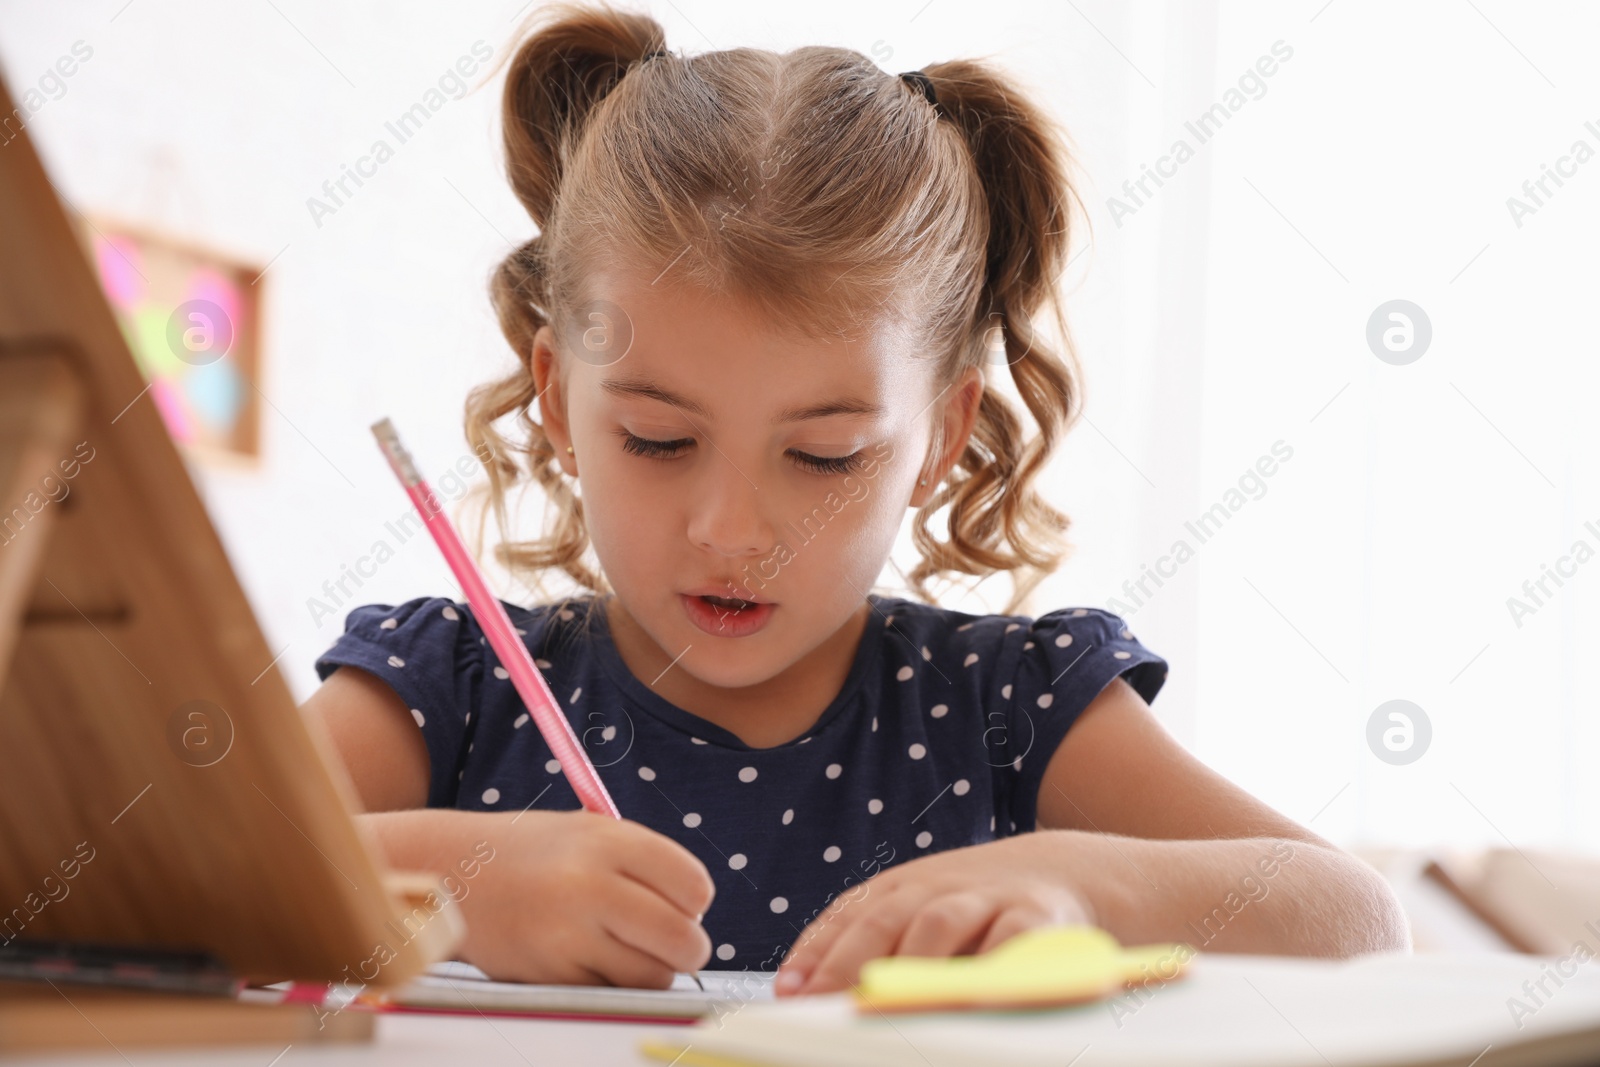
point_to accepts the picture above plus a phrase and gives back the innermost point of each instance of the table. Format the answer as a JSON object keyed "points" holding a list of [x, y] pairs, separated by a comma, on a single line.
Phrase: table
{"points": [[407, 1040]]}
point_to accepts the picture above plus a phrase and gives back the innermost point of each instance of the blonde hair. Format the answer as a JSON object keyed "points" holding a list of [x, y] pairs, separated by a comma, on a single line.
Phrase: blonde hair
{"points": [[819, 189]]}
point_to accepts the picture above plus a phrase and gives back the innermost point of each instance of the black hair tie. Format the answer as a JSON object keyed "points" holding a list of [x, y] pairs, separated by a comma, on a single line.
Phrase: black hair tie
{"points": [[923, 82], [651, 55]]}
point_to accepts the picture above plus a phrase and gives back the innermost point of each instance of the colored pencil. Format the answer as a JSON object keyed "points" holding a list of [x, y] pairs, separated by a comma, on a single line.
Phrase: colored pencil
{"points": [[502, 636]]}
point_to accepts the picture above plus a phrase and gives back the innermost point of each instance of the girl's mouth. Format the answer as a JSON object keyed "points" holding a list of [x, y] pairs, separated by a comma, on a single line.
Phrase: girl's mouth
{"points": [[723, 616]]}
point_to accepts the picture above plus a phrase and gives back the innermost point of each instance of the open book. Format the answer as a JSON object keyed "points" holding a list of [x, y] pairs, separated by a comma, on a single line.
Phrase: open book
{"points": [[1230, 1011], [456, 986]]}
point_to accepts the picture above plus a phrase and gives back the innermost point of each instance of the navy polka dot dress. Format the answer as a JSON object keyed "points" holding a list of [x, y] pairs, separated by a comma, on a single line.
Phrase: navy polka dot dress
{"points": [[938, 739]]}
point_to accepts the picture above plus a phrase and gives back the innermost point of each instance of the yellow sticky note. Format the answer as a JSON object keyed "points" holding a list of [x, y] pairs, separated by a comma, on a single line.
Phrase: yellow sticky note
{"points": [[1046, 967]]}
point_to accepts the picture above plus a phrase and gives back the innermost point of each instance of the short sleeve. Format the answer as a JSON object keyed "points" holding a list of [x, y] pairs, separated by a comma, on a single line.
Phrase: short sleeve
{"points": [[1068, 657], [428, 651]]}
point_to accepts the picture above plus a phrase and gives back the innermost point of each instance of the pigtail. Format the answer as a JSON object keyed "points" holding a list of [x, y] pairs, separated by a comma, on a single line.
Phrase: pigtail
{"points": [[997, 519], [555, 82], [556, 79], [960, 213]]}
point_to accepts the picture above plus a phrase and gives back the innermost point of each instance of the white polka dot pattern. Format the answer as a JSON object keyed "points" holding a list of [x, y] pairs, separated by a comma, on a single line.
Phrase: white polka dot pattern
{"points": [[948, 724]]}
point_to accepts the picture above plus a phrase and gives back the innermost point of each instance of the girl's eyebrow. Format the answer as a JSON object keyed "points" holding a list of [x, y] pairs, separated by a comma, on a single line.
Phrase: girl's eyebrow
{"points": [[843, 406], [648, 390]]}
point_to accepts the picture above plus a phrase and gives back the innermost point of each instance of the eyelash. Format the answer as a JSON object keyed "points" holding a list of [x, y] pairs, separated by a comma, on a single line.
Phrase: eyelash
{"points": [[652, 449], [645, 446]]}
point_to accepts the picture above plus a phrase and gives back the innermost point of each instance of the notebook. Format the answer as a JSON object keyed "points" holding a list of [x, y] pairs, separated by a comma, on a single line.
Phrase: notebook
{"points": [[1230, 1011], [456, 986]]}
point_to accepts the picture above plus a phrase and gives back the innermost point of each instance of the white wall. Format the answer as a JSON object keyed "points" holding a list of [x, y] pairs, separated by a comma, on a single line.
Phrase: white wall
{"points": [[1422, 497], [1222, 315]]}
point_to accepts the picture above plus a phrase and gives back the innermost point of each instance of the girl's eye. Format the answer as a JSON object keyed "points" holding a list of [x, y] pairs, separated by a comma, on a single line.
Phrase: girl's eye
{"points": [[644, 446], [828, 464], [653, 449]]}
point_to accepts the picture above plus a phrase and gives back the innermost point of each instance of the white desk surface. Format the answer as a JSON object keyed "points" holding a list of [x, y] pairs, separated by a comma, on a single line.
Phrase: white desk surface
{"points": [[407, 1041]]}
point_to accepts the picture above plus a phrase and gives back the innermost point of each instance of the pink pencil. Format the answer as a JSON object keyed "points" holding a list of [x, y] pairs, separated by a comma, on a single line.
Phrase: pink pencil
{"points": [[531, 686]]}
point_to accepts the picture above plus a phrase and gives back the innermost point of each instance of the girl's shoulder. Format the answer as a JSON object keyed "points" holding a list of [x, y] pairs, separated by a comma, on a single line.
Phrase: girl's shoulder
{"points": [[1069, 647], [1011, 686], [436, 635]]}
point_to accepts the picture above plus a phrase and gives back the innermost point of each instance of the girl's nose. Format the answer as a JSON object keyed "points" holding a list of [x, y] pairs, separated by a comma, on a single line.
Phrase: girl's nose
{"points": [[726, 513]]}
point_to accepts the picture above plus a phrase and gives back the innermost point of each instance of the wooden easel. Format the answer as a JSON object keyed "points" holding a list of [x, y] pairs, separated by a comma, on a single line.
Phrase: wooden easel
{"points": [[118, 608]]}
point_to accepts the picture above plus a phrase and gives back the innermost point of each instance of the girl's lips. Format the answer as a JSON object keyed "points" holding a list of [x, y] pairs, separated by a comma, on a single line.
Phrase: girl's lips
{"points": [[724, 622], [728, 589]]}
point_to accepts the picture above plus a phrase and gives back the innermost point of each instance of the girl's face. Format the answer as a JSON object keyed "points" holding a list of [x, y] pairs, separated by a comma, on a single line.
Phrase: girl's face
{"points": [[719, 457]]}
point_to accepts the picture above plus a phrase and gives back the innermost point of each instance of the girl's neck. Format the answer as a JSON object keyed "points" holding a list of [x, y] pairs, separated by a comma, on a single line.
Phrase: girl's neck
{"points": [[764, 715]]}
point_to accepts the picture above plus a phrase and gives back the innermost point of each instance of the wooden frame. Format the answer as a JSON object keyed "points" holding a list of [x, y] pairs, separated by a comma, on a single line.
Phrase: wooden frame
{"points": [[245, 354], [123, 632]]}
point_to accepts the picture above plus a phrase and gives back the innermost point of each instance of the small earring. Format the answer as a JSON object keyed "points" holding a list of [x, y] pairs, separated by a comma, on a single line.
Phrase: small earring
{"points": [[569, 450], [923, 481]]}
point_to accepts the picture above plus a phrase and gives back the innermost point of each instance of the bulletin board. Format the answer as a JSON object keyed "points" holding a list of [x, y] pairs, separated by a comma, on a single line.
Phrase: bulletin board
{"points": [[191, 316]]}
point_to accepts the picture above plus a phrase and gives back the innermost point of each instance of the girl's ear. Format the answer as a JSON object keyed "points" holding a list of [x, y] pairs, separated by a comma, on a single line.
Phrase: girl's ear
{"points": [[959, 414], [552, 402]]}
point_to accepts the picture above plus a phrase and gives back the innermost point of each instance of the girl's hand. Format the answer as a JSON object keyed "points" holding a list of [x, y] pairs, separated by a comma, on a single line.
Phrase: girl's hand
{"points": [[566, 897], [954, 903], [584, 899]]}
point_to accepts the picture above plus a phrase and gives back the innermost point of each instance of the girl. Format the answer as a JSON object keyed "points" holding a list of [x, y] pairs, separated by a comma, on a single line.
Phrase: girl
{"points": [[763, 317]]}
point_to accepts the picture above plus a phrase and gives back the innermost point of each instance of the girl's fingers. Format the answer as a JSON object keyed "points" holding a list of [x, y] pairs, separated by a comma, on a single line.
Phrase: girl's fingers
{"points": [[950, 925], [818, 938], [668, 868], [906, 921], [1019, 917], [641, 919], [621, 964], [870, 931]]}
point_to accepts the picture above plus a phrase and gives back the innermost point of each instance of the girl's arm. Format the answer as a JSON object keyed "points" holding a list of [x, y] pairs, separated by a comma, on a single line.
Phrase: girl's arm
{"points": [[1200, 839], [376, 739], [548, 896], [1137, 837]]}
